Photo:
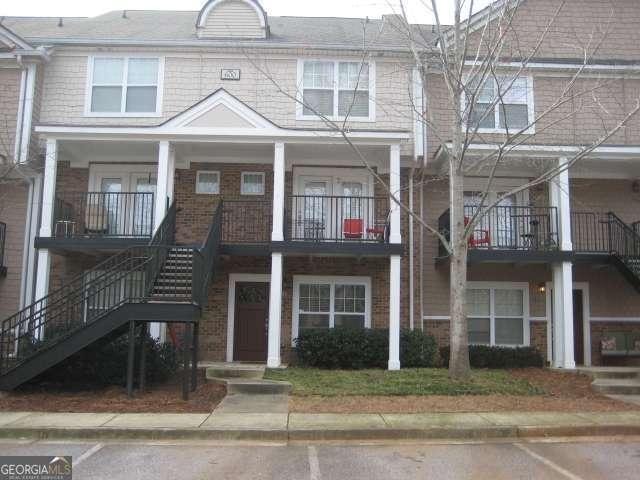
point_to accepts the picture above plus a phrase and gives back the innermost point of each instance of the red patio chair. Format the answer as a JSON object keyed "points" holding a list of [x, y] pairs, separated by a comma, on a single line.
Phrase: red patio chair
{"points": [[478, 237], [352, 227]]}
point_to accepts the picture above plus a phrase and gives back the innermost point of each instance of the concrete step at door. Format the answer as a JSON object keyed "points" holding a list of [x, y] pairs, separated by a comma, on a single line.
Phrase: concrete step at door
{"points": [[610, 372], [617, 386]]}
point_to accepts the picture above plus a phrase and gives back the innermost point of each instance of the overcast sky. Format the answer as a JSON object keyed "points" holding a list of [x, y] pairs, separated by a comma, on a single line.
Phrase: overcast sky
{"points": [[310, 8]]}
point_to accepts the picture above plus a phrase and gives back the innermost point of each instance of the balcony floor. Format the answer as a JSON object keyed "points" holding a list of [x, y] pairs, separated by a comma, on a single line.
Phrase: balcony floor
{"points": [[89, 245]]}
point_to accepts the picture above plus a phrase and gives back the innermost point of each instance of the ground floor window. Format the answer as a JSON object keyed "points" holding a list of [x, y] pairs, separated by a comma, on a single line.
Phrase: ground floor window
{"points": [[498, 313], [329, 302]]}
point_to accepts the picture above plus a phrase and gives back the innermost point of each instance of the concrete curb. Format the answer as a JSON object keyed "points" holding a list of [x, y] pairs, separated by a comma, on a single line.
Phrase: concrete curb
{"points": [[284, 435]]}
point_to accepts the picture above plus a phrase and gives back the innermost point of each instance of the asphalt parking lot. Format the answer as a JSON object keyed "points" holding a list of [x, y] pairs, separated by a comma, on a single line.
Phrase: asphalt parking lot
{"points": [[574, 459]]}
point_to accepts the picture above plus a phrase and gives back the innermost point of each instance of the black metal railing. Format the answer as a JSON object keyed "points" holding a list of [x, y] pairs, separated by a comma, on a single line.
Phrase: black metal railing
{"points": [[127, 277], [246, 221], [204, 259], [337, 219], [3, 237], [591, 232], [509, 228], [99, 214]]}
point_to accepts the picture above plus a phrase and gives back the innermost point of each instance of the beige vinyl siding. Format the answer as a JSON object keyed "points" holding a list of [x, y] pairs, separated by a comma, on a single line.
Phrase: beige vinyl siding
{"points": [[232, 19]]}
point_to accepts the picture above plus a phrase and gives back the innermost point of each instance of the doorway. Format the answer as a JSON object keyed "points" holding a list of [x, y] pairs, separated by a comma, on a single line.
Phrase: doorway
{"points": [[578, 327], [251, 322]]}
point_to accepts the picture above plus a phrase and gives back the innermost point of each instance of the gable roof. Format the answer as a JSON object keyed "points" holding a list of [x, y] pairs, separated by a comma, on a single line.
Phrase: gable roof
{"points": [[177, 28]]}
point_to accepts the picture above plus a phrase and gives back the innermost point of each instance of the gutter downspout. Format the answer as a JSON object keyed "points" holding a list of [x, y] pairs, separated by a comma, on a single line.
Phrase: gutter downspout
{"points": [[20, 118], [411, 253], [425, 149]]}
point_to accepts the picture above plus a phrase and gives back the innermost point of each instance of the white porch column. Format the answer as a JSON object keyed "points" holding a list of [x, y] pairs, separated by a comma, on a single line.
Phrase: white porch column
{"points": [[563, 347], [275, 311], [48, 203], [277, 233], [162, 191], [394, 262]]}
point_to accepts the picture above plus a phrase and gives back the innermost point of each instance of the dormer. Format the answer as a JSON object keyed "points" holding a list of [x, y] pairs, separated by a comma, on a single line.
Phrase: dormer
{"points": [[232, 19]]}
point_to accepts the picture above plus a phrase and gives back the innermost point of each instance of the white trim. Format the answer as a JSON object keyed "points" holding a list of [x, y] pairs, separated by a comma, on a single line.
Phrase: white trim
{"points": [[531, 116], [200, 192], [123, 113], [540, 65], [242, 184], [394, 312], [615, 319], [274, 340], [27, 113], [204, 13], [492, 286], [231, 302], [438, 318], [19, 121], [615, 152], [97, 171], [332, 280], [16, 40], [586, 319], [538, 319], [336, 76]]}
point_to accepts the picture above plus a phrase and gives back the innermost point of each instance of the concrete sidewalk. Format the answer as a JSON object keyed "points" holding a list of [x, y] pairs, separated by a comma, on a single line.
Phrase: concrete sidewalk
{"points": [[299, 426]]}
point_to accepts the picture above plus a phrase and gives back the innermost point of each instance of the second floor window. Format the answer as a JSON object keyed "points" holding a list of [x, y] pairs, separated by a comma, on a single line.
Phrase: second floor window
{"points": [[124, 86], [513, 112], [336, 89]]}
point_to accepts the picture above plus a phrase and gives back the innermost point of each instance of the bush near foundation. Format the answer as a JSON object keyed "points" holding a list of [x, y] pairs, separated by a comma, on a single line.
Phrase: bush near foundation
{"points": [[105, 363], [353, 349], [484, 356]]}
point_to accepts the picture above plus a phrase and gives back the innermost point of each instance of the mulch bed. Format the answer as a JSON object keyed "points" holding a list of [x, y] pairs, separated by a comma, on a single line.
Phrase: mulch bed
{"points": [[565, 392], [158, 398]]}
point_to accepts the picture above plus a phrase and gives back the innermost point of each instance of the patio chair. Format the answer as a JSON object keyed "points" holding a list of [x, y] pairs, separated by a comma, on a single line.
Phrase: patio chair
{"points": [[353, 228]]}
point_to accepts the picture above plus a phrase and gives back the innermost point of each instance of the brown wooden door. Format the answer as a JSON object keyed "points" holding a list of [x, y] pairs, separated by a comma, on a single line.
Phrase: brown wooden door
{"points": [[578, 328], [251, 320]]}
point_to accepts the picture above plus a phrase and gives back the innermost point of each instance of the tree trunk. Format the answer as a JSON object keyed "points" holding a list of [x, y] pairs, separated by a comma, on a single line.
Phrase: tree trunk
{"points": [[459, 367]]}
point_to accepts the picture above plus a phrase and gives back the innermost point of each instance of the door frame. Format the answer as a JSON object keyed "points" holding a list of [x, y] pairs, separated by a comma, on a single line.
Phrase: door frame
{"points": [[586, 319], [231, 303]]}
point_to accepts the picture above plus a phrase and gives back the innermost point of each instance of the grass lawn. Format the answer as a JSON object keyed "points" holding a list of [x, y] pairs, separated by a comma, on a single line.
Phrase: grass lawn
{"points": [[423, 381]]}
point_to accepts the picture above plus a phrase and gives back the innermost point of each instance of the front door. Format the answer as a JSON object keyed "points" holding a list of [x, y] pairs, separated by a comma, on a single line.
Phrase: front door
{"points": [[578, 327], [251, 322]]}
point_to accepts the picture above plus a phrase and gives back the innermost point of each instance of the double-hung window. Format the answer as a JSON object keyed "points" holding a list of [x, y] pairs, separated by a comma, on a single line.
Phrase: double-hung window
{"points": [[513, 112], [336, 90], [497, 314], [330, 302], [124, 86]]}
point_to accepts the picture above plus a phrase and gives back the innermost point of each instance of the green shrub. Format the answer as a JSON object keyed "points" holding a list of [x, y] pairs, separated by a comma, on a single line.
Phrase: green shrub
{"points": [[351, 348], [105, 363], [484, 356]]}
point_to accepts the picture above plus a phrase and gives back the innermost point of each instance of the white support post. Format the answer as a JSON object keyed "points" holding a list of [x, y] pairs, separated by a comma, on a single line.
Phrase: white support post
{"points": [[275, 311], [394, 262], [48, 204], [563, 341], [164, 190], [161, 188], [277, 233], [394, 187], [394, 312]]}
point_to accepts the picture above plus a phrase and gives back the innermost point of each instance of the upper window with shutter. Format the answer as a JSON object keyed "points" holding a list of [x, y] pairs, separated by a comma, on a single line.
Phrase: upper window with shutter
{"points": [[124, 86], [335, 90], [501, 105]]}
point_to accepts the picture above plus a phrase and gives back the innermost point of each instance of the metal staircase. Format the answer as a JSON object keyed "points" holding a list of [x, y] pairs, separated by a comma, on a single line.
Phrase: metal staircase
{"points": [[624, 247], [159, 282]]}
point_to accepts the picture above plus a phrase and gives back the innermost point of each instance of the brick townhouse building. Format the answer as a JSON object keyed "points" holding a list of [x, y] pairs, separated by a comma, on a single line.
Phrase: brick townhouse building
{"points": [[183, 182]]}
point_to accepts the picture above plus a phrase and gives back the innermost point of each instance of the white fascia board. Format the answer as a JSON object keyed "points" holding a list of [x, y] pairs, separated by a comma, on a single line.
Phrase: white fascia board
{"points": [[216, 135], [596, 67], [554, 151]]}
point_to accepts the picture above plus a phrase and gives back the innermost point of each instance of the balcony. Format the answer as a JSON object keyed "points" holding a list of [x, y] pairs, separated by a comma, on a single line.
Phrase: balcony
{"points": [[313, 225], [101, 220], [509, 233], [3, 236]]}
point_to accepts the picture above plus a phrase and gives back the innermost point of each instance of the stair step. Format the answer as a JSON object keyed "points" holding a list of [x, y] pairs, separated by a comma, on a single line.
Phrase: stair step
{"points": [[236, 371], [617, 386], [253, 386], [610, 372]]}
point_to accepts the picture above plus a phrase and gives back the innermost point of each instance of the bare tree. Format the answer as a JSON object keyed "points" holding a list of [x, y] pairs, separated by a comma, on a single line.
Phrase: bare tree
{"points": [[477, 50]]}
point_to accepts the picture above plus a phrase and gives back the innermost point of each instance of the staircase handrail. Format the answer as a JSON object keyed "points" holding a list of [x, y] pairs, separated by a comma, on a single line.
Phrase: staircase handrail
{"points": [[126, 276], [205, 257]]}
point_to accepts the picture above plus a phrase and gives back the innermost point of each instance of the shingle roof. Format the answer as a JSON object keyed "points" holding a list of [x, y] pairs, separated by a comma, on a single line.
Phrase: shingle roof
{"points": [[146, 26]]}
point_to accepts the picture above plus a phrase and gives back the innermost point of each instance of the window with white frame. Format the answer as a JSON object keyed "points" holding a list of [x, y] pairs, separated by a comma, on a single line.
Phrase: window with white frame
{"points": [[208, 182], [513, 112], [336, 89], [497, 315], [124, 86], [252, 183], [326, 302]]}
